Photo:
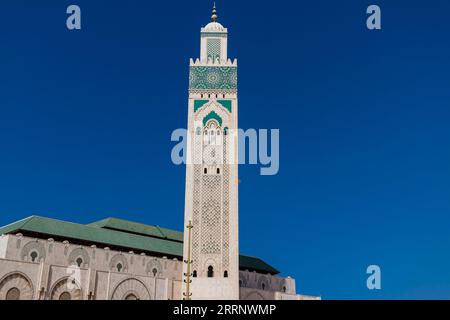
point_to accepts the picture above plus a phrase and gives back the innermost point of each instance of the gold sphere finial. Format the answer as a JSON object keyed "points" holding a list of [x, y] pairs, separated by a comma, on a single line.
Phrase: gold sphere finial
{"points": [[214, 16]]}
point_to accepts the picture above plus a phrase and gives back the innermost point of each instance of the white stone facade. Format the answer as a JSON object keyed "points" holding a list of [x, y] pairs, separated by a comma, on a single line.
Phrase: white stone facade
{"points": [[41, 268], [211, 202], [54, 274]]}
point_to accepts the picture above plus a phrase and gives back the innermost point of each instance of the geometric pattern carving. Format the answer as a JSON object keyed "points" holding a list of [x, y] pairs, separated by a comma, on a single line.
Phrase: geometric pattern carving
{"points": [[213, 49], [76, 254], [131, 288], [118, 260], [18, 283], [30, 247], [66, 289], [154, 267], [213, 34], [225, 207], [212, 115], [211, 214], [263, 283], [196, 215], [211, 192], [223, 79]]}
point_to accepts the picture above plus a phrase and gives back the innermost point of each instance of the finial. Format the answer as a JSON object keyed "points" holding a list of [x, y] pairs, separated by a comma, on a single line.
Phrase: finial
{"points": [[214, 16]]}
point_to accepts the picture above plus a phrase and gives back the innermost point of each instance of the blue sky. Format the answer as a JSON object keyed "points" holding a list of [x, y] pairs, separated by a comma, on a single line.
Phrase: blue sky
{"points": [[364, 120]]}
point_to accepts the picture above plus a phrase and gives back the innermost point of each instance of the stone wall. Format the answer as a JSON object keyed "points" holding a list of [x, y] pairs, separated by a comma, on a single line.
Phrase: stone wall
{"points": [[44, 269]]}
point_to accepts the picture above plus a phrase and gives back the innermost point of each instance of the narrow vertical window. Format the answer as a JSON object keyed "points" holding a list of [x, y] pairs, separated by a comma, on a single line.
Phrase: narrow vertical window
{"points": [[205, 171], [33, 256], [213, 137], [210, 272], [225, 274]]}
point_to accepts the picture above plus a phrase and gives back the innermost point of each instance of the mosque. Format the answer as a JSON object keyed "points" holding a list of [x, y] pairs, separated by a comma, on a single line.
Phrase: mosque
{"points": [[114, 259]]}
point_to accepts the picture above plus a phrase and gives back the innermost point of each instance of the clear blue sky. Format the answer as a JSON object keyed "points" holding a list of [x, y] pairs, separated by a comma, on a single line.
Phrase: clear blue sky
{"points": [[364, 121]]}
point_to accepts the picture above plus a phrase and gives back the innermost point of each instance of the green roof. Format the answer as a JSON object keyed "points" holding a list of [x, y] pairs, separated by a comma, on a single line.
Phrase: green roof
{"points": [[138, 228], [86, 233], [121, 234]]}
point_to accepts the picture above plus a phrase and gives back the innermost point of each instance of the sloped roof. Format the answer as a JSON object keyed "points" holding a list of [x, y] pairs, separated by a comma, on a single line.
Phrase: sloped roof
{"points": [[75, 231], [138, 228], [120, 233]]}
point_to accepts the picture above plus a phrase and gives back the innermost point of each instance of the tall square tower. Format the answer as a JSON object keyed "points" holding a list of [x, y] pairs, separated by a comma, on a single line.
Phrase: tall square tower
{"points": [[211, 204]]}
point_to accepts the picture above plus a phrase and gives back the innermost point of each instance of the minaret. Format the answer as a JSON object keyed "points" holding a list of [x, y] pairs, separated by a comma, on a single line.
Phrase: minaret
{"points": [[211, 202]]}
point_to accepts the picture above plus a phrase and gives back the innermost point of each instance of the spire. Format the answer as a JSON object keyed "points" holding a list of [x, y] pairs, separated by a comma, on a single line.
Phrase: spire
{"points": [[214, 16]]}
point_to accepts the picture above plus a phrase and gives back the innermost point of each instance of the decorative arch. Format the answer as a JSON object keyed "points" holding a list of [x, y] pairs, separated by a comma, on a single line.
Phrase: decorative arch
{"points": [[215, 107], [284, 286], [212, 115], [33, 246], [153, 265], [263, 283], [66, 289], [243, 281], [79, 253], [19, 281], [116, 260], [213, 264], [131, 286]]}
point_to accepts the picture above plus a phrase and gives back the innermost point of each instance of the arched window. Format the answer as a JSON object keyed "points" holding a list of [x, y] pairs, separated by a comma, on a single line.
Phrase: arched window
{"points": [[210, 272], [13, 294], [33, 256], [218, 132], [119, 267], [194, 274], [79, 262], [263, 286], [225, 131], [225, 274], [65, 296], [284, 289], [205, 171], [154, 271], [131, 297], [218, 171]]}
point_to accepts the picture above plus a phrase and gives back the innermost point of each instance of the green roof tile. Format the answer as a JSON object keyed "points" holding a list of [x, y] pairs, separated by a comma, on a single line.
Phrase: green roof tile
{"points": [[138, 228], [123, 234]]}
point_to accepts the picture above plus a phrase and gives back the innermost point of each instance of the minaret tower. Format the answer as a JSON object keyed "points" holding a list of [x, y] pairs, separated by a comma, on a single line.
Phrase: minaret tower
{"points": [[211, 203]]}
